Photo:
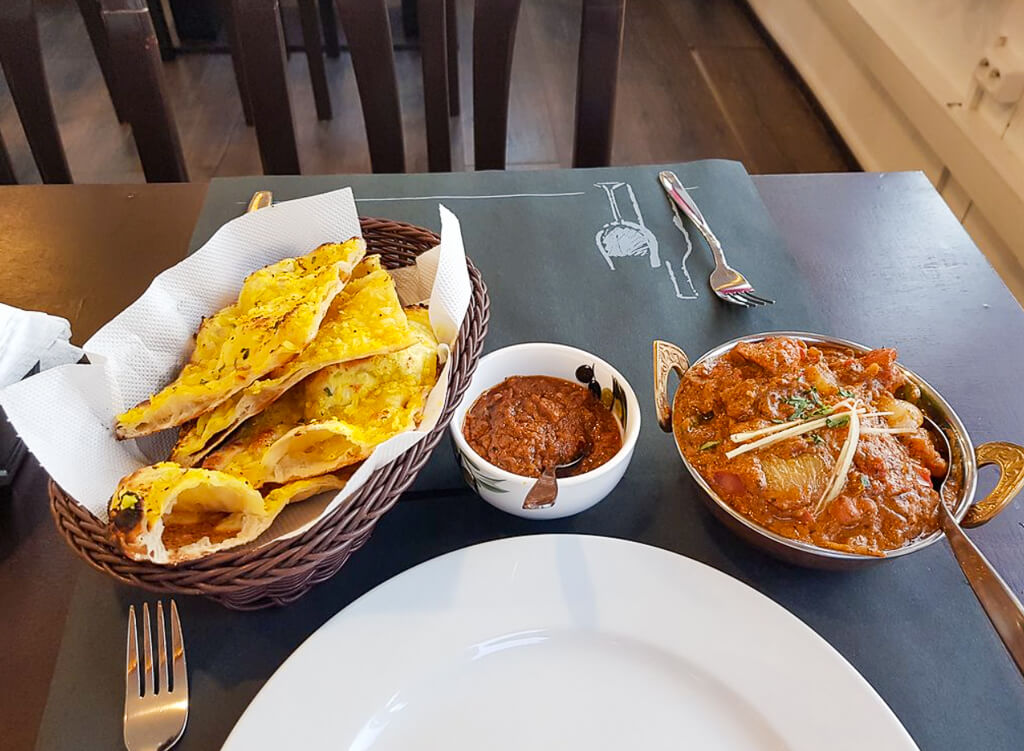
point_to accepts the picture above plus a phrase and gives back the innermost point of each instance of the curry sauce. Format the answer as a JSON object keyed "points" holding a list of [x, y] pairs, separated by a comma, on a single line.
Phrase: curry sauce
{"points": [[526, 424], [771, 425]]}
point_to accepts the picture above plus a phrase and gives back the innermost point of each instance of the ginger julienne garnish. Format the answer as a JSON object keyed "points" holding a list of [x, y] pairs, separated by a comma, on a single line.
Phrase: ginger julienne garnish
{"points": [[847, 413]]}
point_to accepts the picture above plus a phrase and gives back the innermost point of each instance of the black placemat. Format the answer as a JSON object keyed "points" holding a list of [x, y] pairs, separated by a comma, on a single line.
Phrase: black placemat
{"points": [[911, 627]]}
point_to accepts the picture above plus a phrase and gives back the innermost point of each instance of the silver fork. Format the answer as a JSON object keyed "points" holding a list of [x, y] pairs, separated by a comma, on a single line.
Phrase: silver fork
{"points": [[726, 282], [154, 712]]}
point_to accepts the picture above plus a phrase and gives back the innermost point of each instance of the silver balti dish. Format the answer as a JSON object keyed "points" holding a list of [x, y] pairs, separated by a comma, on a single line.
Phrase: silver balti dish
{"points": [[959, 494]]}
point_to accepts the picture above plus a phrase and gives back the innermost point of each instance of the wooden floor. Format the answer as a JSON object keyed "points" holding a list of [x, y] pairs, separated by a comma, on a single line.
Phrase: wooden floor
{"points": [[697, 80]]}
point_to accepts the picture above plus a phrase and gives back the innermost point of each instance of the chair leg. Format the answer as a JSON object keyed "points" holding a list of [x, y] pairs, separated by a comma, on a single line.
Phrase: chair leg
{"points": [[596, 81], [90, 10], [452, 40], [368, 30], [134, 53], [310, 18], [284, 32], [22, 61], [228, 12], [434, 60], [494, 36], [166, 31], [410, 19], [261, 41], [329, 21], [6, 168]]}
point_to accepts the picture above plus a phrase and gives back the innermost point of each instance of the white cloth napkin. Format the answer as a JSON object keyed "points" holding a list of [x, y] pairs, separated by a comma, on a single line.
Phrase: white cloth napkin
{"points": [[28, 337]]}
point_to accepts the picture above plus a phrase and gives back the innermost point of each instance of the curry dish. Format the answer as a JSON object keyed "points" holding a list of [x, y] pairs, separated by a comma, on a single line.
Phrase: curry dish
{"points": [[813, 442], [526, 424]]}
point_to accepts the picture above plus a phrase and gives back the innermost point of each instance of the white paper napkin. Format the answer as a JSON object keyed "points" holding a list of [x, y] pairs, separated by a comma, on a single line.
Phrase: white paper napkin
{"points": [[66, 415], [28, 337]]}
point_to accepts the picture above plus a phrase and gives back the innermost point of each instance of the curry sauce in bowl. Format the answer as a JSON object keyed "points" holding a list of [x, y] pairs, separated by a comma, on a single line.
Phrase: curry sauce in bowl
{"points": [[816, 449], [526, 424], [531, 406]]}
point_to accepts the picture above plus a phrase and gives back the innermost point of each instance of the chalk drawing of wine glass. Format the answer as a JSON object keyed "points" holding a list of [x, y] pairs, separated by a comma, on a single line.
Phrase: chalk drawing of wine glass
{"points": [[622, 238]]}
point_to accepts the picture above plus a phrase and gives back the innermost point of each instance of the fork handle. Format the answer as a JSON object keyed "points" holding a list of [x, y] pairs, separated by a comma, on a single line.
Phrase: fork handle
{"points": [[682, 200]]}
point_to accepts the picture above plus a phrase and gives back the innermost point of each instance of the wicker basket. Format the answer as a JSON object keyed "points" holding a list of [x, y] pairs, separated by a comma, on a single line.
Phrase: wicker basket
{"points": [[283, 571]]}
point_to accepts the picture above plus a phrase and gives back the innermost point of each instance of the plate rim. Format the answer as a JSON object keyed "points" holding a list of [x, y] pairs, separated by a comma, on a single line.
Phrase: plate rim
{"points": [[839, 661]]}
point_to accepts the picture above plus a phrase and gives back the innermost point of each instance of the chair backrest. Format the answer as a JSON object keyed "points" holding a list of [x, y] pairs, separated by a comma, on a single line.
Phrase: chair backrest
{"points": [[22, 62], [368, 31], [135, 59]]}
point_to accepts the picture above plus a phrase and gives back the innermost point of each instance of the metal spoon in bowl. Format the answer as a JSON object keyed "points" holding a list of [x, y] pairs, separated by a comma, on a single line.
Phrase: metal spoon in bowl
{"points": [[997, 600], [545, 490]]}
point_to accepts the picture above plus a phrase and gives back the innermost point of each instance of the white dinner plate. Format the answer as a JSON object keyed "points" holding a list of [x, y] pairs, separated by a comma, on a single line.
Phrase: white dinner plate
{"points": [[566, 642]]}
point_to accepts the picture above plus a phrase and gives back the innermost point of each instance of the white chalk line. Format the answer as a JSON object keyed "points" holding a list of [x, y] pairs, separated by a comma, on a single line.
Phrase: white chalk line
{"points": [[469, 198]]}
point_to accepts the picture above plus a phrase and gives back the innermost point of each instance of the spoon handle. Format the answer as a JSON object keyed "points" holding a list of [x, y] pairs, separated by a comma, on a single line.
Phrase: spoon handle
{"points": [[997, 600], [544, 491]]}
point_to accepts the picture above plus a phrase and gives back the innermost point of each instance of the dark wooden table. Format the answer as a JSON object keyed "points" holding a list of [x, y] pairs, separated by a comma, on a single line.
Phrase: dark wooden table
{"points": [[881, 253]]}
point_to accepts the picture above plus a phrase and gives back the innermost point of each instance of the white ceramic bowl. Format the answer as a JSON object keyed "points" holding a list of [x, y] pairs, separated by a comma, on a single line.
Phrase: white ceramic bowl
{"points": [[506, 490]]}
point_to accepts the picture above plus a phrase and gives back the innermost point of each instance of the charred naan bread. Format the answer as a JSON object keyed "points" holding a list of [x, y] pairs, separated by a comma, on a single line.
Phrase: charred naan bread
{"points": [[366, 319], [336, 417], [278, 313], [166, 513]]}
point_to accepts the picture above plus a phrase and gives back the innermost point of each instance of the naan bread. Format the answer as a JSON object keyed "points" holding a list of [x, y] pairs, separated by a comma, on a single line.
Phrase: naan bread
{"points": [[366, 319], [278, 312], [336, 417], [300, 490], [166, 513]]}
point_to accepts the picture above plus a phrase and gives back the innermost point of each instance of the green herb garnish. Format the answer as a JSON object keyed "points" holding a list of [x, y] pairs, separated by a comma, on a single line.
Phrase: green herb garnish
{"points": [[816, 439], [327, 390], [837, 422], [709, 445], [800, 404], [846, 393], [865, 481]]}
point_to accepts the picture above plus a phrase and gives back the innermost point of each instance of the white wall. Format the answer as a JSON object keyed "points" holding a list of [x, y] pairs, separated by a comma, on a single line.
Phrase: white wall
{"points": [[897, 79]]}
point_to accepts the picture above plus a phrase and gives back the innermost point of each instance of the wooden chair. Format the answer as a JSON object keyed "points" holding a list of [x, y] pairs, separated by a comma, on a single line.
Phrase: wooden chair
{"points": [[22, 62], [319, 33], [135, 62], [494, 29], [368, 30]]}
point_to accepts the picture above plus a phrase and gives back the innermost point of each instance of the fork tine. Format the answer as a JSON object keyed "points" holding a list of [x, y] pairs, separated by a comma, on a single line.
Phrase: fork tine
{"points": [[759, 299], [148, 688], [178, 652], [734, 298], [752, 300], [131, 677], [161, 644]]}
